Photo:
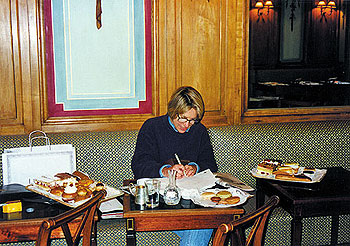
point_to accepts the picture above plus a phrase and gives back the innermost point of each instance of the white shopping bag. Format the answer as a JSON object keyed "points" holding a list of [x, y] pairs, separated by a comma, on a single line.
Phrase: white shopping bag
{"points": [[22, 165]]}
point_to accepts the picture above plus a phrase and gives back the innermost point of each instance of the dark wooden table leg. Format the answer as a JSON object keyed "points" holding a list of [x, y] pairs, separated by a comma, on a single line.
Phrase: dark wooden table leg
{"points": [[260, 196], [130, 232], [334, 230], [296, 231]]}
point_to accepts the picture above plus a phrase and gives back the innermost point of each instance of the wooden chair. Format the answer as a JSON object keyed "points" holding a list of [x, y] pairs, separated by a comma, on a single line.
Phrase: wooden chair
{"points": [[85, 228], [257, 220]]}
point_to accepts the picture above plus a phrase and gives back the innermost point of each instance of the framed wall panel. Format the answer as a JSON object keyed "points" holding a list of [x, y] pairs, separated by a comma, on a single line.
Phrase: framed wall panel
{"points": [[292, 33], [98, 71]]}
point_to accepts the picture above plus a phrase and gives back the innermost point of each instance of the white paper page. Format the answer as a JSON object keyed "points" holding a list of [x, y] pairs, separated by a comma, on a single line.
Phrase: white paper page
{"points": [[200, 181], [191, 186], [110, 205]]}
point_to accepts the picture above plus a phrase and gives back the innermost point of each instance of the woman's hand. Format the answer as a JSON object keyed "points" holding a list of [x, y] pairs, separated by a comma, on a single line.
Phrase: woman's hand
{"points": [[190, 170], [179, 168]]}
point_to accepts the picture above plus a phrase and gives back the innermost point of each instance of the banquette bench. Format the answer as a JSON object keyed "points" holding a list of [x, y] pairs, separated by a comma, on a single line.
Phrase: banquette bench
{"points": [[106, 156]]}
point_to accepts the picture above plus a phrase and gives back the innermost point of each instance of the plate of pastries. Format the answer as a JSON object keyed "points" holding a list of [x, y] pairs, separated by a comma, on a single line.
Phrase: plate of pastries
{"points": [[221, 198], [70, 189], [287, 171]]}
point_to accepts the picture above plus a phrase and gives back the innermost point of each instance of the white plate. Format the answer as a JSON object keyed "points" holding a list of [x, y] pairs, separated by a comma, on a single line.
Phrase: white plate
{"points": [[316, 177], [207, 203]]}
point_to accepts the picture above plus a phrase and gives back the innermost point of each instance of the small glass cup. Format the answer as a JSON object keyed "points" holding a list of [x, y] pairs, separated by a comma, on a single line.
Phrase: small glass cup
{"points": [[152, 190]]}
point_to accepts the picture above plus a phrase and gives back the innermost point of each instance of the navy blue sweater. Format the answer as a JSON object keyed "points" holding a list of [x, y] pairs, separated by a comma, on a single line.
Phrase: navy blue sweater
{"points": [[157, 142]]}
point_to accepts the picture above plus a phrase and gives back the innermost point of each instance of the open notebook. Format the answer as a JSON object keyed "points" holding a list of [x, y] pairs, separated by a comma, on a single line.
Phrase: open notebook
{"points": [[111, 209]]}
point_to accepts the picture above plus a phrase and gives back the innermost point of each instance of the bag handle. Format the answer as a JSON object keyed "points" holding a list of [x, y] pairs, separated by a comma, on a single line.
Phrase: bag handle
{"points": [[44, 136]]}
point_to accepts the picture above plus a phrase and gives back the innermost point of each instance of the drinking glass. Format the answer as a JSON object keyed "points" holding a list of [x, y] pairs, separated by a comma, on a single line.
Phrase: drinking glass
{"points": [[152, 190]]}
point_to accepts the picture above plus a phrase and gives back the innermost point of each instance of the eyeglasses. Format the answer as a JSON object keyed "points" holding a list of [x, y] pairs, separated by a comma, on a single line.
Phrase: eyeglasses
{"points": [[184, 120]]}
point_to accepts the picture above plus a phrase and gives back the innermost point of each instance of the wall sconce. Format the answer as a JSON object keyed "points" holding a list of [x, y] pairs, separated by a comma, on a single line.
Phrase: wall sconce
{"points": [[269, 6], [324, 6], [332, 5], [260, 5]]}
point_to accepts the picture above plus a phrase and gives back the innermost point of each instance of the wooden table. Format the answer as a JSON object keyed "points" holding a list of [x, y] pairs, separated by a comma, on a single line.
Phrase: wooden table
{"points": [[177, 218], [24, 226], [25, 230], [330, 197]]}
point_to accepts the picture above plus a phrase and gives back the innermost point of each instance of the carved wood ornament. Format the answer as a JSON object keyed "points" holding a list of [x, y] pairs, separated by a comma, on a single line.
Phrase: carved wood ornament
{"points": [[98, 14]]}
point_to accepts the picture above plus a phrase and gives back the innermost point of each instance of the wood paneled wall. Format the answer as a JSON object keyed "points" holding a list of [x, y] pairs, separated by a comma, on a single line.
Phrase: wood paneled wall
{"points": [[195, 42]]}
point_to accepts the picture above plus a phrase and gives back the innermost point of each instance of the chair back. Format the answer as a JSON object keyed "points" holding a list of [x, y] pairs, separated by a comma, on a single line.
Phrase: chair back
{"points": [[257, 220], [85, 228]]}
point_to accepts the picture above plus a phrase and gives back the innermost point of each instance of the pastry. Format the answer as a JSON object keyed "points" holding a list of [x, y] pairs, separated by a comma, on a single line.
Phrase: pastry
{"points": [[99, 186], [223, 202], [63, 179], [267, 168], [81, 175], [294, 165], [68, 197], [57, 191], [85, 182], [63, 176], [82, 194], [284, 170], [215, 199], [80, 198], [233, 200], [302, 178], [44, 183], [224, 194], [69, 193], [207, 195]]}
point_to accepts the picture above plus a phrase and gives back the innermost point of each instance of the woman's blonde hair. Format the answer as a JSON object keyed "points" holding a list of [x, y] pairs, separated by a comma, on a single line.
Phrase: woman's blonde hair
{"points": [[184, 99]]}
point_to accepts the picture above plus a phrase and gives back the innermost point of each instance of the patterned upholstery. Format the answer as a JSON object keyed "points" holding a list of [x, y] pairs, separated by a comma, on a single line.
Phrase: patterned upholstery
{"points": [[106, 156], [112, 232]]}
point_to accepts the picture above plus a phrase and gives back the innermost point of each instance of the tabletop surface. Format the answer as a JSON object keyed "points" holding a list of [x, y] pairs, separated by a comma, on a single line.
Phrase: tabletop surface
{"points": [[24, 225], [34, 206], [185, 215], [331, 196], [335, 184], [184, 205]]}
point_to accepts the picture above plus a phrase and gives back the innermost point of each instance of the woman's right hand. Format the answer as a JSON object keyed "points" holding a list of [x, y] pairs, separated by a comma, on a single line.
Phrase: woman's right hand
{"points": [[179, 168]]}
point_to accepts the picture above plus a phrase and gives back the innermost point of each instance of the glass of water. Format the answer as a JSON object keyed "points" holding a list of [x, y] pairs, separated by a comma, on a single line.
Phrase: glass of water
{"points": [[152, 190]]}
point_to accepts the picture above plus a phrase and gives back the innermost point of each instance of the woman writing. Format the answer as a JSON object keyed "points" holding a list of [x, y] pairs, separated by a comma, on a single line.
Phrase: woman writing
{"points": [[178, 132]]}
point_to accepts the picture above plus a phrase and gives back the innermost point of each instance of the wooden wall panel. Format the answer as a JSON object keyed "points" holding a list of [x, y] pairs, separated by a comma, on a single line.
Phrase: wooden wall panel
{"points": [[323, 37], [200, 43], [19, 63], [10, 103], [194, 42]]}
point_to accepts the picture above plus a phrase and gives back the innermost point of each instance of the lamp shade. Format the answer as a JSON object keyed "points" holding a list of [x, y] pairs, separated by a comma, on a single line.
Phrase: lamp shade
{"points": [[269, 4], [259, 4], [321, 4], [332, 4]]}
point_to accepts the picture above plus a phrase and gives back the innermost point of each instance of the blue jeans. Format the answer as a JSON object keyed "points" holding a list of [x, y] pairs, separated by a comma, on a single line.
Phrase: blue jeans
{"points": [[194, 237]]}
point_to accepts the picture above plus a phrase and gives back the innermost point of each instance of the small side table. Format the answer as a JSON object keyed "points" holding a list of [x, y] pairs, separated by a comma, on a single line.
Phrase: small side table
{"points": [[330, 197]]}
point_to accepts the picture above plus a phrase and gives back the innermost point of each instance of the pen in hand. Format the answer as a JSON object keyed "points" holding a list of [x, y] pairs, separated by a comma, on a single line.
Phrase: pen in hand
{"points": [[179, 162], [178, 159]]}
